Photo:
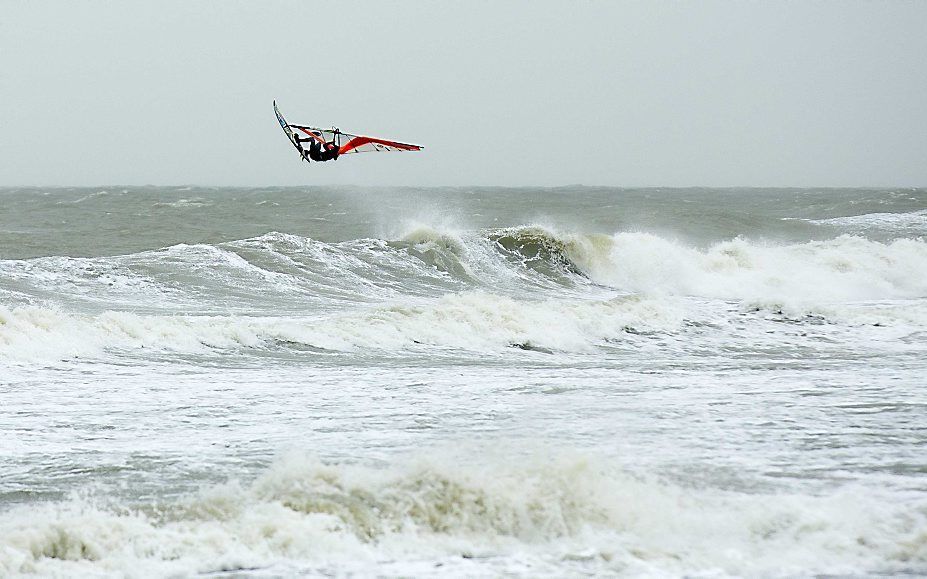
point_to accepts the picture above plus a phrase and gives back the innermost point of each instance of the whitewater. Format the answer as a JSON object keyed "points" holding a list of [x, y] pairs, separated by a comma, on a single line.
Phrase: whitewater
{"points": [[536, 382]]}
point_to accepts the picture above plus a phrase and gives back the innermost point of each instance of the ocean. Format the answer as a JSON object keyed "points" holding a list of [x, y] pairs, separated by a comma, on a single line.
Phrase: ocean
{"points": [[462, 382]]}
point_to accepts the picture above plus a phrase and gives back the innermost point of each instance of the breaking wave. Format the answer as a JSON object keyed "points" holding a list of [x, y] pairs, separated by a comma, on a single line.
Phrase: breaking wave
{"points": [[429, 516], [841, 269], [478, 291], [431, 262]]}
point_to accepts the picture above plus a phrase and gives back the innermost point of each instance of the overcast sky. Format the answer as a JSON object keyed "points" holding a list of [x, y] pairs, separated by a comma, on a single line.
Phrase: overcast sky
{"points": [[500, 93]]}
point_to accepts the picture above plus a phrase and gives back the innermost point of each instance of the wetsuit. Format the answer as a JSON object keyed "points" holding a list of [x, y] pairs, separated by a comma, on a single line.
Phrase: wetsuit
{"points": [[316, 152], [330, 154]]}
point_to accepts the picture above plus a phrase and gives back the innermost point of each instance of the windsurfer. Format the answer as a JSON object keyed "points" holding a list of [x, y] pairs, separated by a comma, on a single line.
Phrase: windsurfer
{"points": [[317, 152], [326, 144]]}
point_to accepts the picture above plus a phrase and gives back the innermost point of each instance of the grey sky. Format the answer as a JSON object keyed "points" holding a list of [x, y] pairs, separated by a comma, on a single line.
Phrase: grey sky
{"points": [[507, 93]]}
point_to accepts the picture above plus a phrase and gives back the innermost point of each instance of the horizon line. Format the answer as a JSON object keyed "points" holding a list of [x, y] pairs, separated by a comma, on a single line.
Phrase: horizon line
{"points": [[527, 186]]}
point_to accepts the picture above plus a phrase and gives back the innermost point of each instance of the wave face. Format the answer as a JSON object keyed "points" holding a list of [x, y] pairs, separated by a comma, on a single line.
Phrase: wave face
{"points": [[463, 382]]}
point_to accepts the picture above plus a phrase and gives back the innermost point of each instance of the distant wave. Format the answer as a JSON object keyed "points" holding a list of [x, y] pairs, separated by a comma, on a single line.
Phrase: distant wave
{"points": [[180, 203], [570, 512], [912, 223]]}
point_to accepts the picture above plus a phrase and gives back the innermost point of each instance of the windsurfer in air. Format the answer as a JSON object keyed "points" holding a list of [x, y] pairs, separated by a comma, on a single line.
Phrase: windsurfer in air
{"points": [[321, 149]]}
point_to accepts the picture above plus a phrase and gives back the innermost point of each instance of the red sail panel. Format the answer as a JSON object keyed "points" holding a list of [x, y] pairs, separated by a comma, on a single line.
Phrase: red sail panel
{"points": [[362, 144]]}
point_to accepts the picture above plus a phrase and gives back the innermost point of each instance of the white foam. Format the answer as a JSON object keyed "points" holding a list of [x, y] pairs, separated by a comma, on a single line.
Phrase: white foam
{"points": [[471, 321], [502, 514]]}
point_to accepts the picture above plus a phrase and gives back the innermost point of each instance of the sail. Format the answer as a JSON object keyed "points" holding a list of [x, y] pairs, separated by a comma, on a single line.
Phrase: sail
{"points": [[351, 143]]}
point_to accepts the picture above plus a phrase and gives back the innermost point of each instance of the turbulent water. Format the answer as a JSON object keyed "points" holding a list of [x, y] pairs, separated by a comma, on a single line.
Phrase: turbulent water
{"points": [[462, 382]]}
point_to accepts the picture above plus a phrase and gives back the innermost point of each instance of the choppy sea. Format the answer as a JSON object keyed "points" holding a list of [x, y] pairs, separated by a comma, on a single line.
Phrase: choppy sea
{"points": [[334, 381]]}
